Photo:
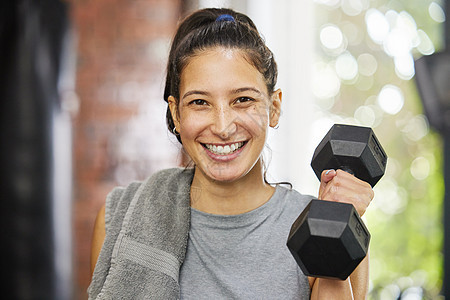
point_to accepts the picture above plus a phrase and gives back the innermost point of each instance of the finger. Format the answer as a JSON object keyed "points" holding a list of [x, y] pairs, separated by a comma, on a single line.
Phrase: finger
{"points": [[346, 188], [356, 185], [326, 176], [342, 185]]}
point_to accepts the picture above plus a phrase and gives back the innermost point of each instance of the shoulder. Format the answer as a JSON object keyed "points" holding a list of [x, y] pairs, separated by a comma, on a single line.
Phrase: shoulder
{"points": [[293, 196], [118, 199], [171, 179], [291, 202], [165, 175]]}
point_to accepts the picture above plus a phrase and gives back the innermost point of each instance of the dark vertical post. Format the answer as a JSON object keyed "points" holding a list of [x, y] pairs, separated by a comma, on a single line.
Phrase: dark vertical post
{"points": [[432, 73], [31, 37]]}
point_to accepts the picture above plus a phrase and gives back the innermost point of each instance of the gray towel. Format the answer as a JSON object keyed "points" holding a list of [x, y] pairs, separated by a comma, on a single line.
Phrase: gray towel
{"points": [[147, 227]]}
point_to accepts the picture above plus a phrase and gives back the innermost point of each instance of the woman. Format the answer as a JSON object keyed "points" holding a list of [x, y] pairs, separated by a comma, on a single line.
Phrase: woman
{"points": [[217, 230]]}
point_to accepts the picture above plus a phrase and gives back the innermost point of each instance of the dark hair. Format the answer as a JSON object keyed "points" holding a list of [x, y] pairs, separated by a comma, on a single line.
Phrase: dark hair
{"points": [[200, 31]]}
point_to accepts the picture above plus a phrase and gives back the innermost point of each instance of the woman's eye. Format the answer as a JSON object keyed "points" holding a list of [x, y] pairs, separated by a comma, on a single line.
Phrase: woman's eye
{"points": [[198, 102], [243, 99]]}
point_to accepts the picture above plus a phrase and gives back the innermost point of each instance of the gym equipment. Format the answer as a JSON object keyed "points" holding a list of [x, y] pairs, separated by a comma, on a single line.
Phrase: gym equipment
{"points": [[329, 239]]}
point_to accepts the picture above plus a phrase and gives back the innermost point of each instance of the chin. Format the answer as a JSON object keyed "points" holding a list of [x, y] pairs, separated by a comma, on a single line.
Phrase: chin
{"points": [[226, 174]]}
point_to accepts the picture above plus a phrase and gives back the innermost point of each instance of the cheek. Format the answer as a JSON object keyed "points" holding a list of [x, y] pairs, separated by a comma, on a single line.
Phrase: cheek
{"points": [[191, 124], [256, 119]]}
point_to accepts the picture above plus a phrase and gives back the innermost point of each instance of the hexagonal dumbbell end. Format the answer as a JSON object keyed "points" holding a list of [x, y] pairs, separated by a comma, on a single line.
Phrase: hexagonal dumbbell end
{"points": [[351, 148], [328, 239]]}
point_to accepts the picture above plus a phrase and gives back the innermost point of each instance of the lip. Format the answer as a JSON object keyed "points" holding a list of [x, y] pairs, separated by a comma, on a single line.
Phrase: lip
{"points": [[227, 157]]}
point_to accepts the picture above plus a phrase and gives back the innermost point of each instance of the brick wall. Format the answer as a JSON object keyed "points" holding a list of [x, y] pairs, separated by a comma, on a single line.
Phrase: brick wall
{"points": [[119, 131]]}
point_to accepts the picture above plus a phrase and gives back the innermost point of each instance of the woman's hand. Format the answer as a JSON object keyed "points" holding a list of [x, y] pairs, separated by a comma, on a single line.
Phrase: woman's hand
{"points": [[340, 186]]}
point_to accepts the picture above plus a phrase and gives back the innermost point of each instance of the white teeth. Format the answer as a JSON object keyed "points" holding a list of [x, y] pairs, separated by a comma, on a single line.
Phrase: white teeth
{"points": [[224, 150]]}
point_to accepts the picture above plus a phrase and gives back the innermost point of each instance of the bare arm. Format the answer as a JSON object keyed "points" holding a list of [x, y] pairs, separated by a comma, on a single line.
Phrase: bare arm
{"points": [[360, 279], [98, 237], [354, 287], [329, 289]]}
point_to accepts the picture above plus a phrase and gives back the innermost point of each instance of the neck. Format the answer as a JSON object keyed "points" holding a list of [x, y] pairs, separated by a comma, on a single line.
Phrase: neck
{"points": [[230, 198]]}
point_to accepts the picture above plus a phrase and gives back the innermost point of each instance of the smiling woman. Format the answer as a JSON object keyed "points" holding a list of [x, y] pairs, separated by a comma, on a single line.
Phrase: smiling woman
{"points": [[215, 116], [217, 230]]}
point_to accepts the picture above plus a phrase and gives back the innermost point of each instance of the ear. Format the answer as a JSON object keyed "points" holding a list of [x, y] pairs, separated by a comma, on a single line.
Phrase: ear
{"points": [[275, 108], [174, 112]]}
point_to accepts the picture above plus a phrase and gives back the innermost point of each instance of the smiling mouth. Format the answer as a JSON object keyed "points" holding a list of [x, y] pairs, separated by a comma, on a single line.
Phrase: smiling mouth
{"points": [[224, 149]]}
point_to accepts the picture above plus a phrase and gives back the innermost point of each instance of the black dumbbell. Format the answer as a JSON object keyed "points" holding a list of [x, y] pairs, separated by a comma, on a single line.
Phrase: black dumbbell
{"points": [[329, 239]]}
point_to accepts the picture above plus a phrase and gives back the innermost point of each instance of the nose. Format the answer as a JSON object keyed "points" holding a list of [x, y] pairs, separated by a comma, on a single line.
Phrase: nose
{"points": [[224, 122]]}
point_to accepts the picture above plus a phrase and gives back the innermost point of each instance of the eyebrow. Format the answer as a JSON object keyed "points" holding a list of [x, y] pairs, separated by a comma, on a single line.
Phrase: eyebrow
{"points": [[195, 92], [235, 91], [246, 89]]}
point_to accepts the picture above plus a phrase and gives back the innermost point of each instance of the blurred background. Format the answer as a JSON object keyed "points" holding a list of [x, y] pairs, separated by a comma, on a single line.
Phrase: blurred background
{"points": [[82, 111]]}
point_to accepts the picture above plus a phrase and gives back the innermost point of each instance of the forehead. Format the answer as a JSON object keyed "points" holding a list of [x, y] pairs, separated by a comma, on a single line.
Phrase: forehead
{"points": [[220, 66]]}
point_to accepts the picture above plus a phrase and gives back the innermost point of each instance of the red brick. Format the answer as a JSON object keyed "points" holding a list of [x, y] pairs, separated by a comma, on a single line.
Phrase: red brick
{"points": [[116, 49]]}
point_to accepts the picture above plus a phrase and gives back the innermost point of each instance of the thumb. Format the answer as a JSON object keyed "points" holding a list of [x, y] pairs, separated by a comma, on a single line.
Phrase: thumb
{"points": [[327, 176]]}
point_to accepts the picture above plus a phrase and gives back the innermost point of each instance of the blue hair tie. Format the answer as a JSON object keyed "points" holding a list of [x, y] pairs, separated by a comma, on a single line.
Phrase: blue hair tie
{"points": [[225, 17]]}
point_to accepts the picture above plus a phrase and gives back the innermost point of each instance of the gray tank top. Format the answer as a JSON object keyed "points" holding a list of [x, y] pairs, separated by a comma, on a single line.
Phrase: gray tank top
{"points": [[245, 256]]}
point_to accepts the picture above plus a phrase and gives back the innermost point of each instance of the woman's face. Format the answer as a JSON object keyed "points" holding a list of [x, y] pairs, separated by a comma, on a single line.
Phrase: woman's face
{"points": [[223, 113]]}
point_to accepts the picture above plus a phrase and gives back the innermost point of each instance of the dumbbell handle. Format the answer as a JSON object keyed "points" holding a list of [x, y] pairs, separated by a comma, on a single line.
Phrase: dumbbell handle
{"points": [[347, 169]]}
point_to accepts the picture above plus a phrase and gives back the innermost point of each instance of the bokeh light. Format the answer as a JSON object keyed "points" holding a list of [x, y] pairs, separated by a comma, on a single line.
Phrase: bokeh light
{"points": [[366, 116], [436, 12], [331, 37], [367, 64], [425, 46], [391, 99], [377, 25], [420, 168], [404, 66], [354, 7], [352, 33], [326, 83], [391, 199], [416, 128], [346, 66]]}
